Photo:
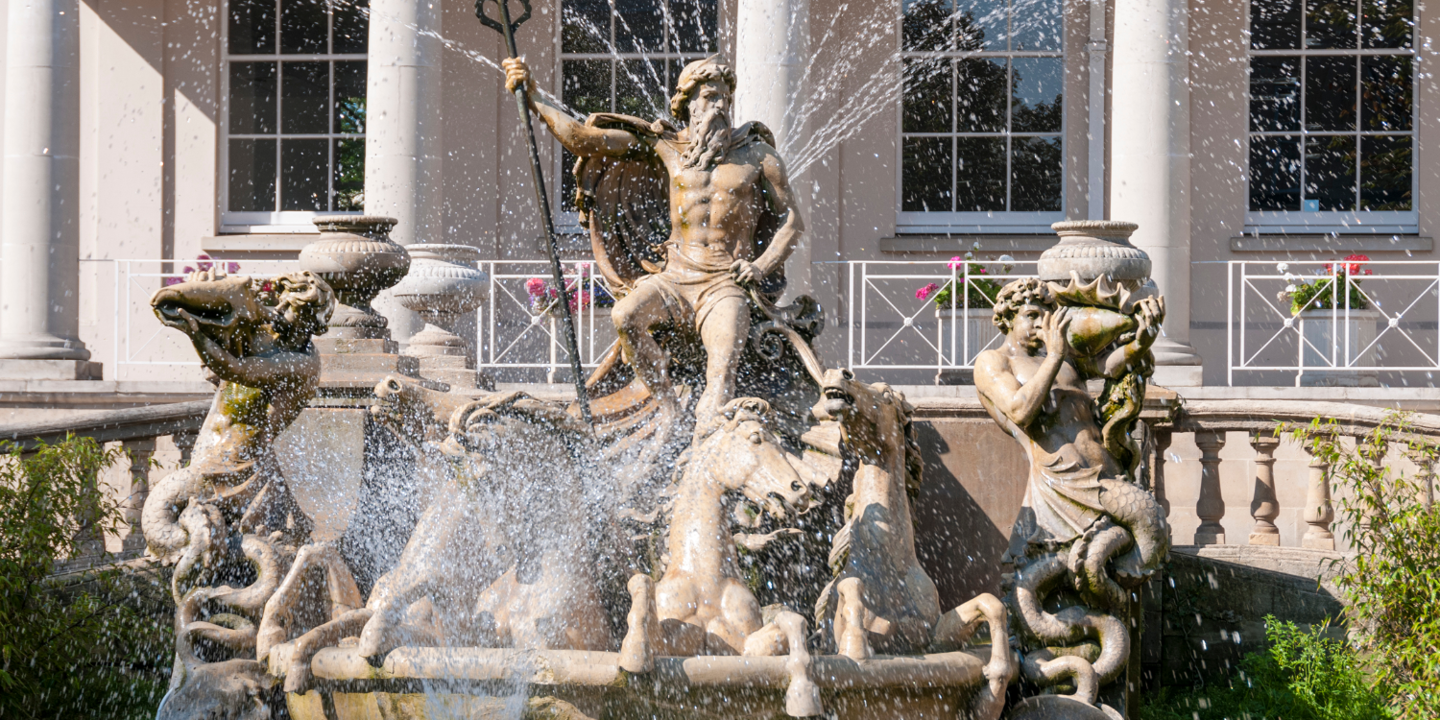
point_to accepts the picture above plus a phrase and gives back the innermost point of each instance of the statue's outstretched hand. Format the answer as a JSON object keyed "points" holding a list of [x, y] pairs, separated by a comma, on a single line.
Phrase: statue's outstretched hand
{"points": [[1150, 313], [1057, 324], [517, 74], [182, 321]]}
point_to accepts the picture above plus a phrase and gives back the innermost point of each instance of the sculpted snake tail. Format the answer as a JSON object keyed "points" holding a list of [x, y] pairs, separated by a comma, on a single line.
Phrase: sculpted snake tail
{"points": [[1061, 635]]}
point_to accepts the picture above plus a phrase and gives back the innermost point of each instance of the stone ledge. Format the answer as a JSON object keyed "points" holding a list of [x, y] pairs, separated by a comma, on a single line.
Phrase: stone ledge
{"points": [[1330, 243], [99, 393], [960, 243], [258, 242]]}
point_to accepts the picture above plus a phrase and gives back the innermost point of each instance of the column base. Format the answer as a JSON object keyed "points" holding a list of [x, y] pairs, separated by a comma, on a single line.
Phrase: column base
{"points": [[1318, 542], [1271, 538], [1173, 376], [1209, 537], [24, 369]]}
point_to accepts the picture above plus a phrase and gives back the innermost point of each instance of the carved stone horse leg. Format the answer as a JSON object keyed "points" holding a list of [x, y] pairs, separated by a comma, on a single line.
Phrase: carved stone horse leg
{"points": [[637, 651], [786, 635], [957, 626], [850, 638]]}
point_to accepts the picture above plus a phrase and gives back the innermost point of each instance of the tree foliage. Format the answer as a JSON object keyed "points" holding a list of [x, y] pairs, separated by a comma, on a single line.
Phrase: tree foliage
{"points": [[78, 644], [1392, 583]]}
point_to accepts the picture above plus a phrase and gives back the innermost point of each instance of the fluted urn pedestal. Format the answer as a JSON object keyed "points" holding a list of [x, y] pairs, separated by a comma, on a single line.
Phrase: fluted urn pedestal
{"points": [[443, 284], [355, 255], [1091, 248]]}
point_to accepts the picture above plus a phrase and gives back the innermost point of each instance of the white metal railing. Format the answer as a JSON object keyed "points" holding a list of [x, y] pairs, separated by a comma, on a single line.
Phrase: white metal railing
{"points": [[893, 325], [1352, 320]]}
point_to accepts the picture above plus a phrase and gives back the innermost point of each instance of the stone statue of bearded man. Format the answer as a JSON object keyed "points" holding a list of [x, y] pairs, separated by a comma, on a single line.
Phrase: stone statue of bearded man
{"points": [[733, 221]]}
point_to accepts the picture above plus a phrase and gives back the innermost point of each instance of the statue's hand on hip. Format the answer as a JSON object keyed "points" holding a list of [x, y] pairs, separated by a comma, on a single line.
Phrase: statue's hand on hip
{"points": [[746, 272]]}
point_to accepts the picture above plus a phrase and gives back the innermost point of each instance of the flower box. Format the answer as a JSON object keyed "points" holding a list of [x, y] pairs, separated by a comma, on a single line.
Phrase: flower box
{"points": [[1324, 364]]}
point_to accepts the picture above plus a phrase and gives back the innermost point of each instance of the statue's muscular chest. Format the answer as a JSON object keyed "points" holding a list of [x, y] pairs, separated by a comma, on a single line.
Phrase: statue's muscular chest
{"points": [[712, 195]]}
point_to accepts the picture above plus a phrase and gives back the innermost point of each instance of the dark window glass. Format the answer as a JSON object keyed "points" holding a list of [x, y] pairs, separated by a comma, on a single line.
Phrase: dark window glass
{"points": [[1387, 23], [586, 27], [586, 85], [1385, 181], [1275, 24], [304, 165], [252, 98], [303, 27], [1035, 173], [695, 26], [305, 97], [981, 25], [350, 97], [1330, 24], [639, 26], [926, 182], [927, 25], [980, 174], [640, 88], [1035, 100], [1274, 173], [1274, 93], [926, 106], [1385, 93], [352, 26], [349, 179], [252, 27], [1330, 172], [252, 175], [1035, 24], [980, 95], [1330, 93]]}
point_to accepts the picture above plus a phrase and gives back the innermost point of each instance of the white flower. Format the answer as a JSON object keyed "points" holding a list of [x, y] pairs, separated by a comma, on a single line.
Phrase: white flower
{"points": [[1282, 267], [1291, 288], [1006, 259]]}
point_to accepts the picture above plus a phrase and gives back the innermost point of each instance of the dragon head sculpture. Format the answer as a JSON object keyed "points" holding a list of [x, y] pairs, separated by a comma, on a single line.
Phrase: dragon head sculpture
{"points": [[232, 309]]}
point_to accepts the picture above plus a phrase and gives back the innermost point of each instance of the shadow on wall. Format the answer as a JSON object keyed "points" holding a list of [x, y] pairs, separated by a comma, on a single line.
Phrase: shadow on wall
{"points": [[974, 484]]}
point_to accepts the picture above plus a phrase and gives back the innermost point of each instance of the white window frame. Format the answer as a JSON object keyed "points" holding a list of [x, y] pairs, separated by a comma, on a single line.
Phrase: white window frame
{"points": [[284, 221], [567, 222], [915, 222], [1349, 222]]}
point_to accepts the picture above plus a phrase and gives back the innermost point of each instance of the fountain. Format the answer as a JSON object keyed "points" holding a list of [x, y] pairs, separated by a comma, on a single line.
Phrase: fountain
{"points": [[640, 560]]}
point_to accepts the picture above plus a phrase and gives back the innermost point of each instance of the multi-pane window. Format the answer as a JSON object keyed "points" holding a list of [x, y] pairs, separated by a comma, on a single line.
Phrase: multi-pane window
{"points": [[625, 58], [1332, 130], [295, 123], [981, 116]]}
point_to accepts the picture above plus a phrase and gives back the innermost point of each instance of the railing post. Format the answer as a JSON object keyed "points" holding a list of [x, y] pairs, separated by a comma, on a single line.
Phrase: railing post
{"points": [[185, 443], [1425, 472], [1211, 505], [140, 452], [1264, 508], [1157, 482], [1319, 513]]}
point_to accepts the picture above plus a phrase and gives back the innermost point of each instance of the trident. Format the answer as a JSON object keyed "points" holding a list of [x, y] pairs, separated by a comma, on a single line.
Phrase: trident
{"points": [[522, 101]]}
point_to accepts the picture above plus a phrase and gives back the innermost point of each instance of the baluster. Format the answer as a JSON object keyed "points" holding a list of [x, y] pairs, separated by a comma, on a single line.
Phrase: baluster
{"points": [[185, 443], [1157, 481], [1424, 472], [1211, 505], [1319, 513], [1264, 508], [89, 536], [140, 452]]}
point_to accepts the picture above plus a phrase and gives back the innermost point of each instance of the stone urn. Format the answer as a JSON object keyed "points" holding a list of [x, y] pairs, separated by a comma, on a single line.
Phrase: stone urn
{"points": [[442, 284], [1091, 248], [356, 256]]}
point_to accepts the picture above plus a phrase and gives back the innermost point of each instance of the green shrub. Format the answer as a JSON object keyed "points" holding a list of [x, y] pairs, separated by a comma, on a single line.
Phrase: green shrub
{"points": [[1392, 585], [94, 644], [1302, 676]]}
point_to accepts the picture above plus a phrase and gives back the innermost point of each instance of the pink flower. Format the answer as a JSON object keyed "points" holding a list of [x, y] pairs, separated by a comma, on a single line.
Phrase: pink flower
{"points": [[232, 267], [956, 262], [926, 291], [535, 287]]}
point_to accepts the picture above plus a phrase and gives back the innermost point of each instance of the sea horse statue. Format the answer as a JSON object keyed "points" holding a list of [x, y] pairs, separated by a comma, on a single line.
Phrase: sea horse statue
{"points": [[228, 518], [1088, 532]]}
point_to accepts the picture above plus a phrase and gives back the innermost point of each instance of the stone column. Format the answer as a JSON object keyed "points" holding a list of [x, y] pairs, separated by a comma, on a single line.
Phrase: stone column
{"points": [[1210, 507], [772, 49], [39, 222], [1264, 508], [1150, 162], [403, 131]]}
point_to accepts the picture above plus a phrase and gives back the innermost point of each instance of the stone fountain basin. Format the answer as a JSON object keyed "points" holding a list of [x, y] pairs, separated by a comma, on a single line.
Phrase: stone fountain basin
{"points": [[415, 683]]}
